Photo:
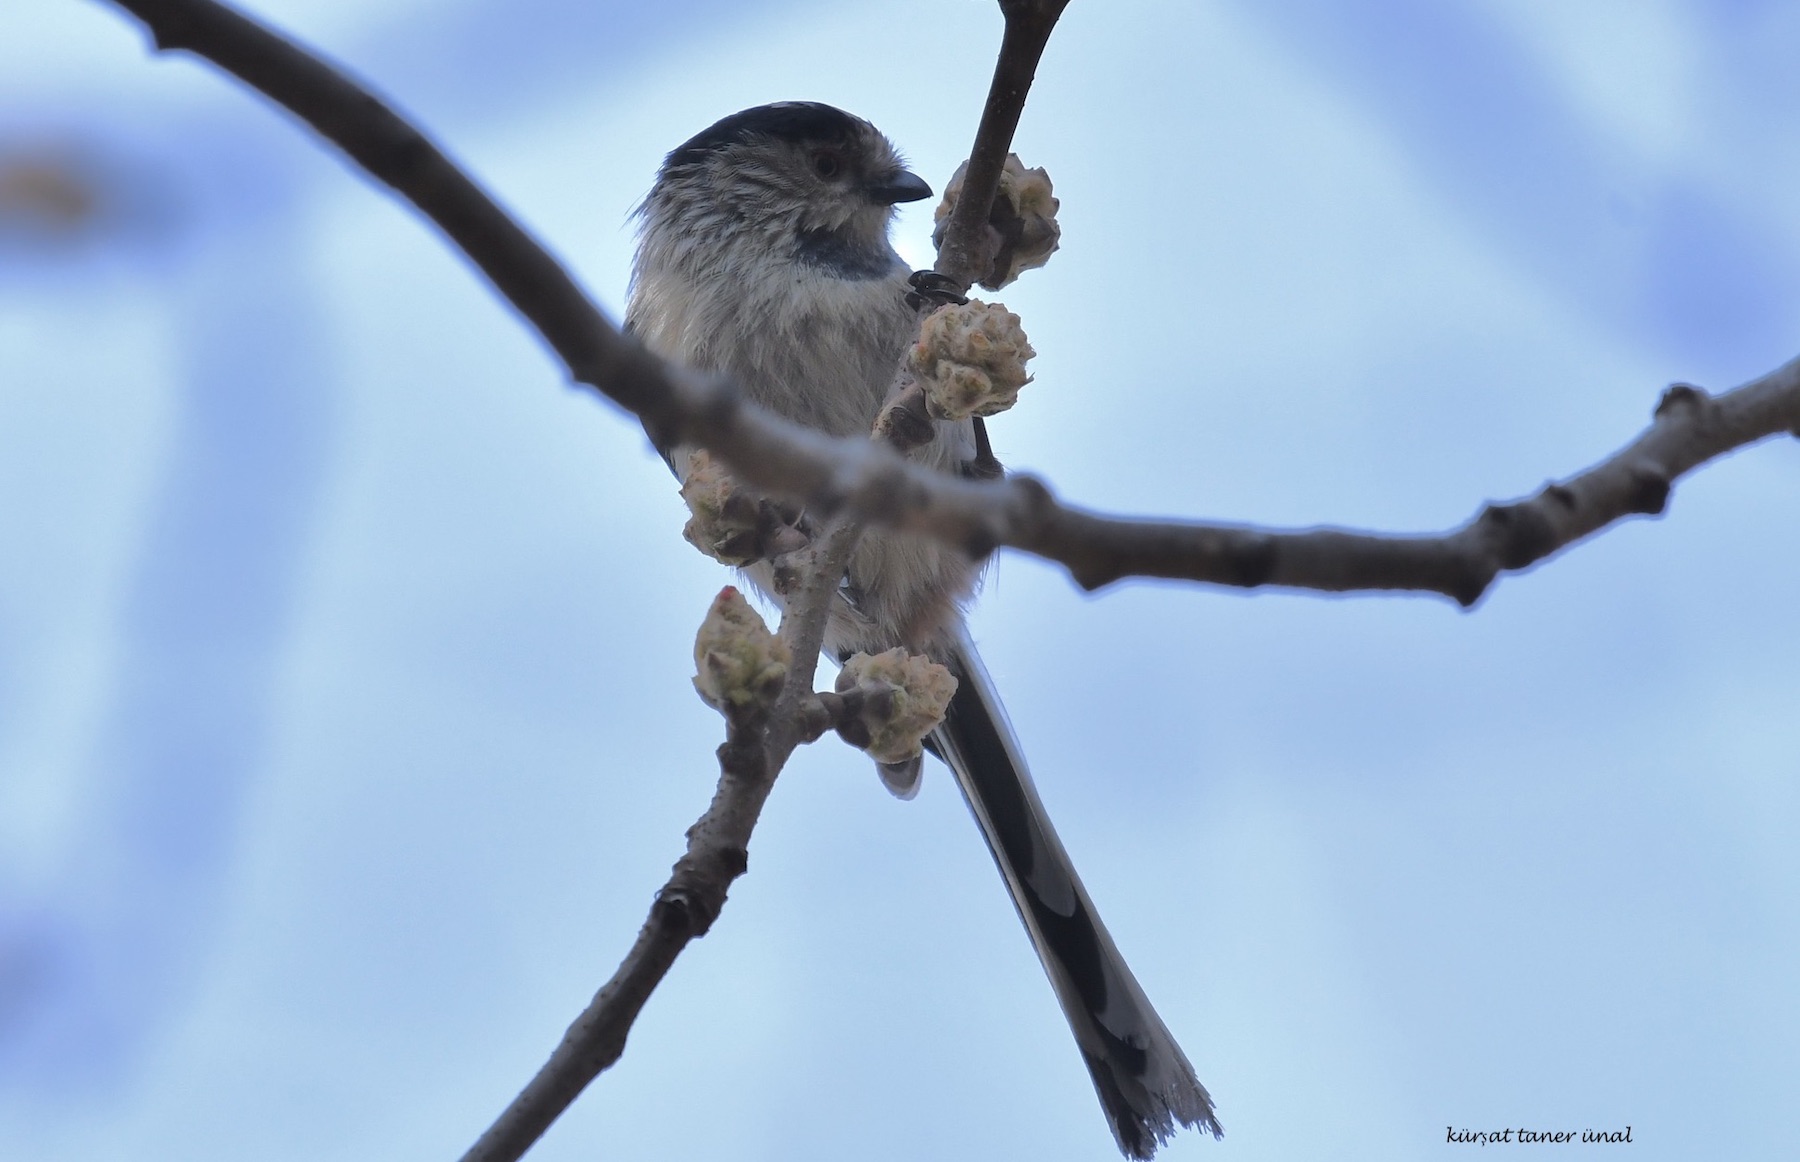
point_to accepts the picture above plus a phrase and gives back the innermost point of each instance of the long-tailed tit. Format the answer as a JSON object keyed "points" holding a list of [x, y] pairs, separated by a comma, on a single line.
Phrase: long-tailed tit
{"points": [[764, 255]]}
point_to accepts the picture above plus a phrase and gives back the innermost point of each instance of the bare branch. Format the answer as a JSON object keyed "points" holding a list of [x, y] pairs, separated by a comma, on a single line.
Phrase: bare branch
{"points": [[756, 748], [785, 460], [1689, 428], [717, 853]]}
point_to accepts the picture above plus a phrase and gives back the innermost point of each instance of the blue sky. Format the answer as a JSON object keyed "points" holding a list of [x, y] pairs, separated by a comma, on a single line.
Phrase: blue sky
{"points": [[345, 728]]}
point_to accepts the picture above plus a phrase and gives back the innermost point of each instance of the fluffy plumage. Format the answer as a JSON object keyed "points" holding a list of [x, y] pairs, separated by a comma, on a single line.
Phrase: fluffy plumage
{"points": [[764, 255]]}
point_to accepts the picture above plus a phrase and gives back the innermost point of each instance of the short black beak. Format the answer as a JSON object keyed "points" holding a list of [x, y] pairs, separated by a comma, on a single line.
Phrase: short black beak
{"points": [[900, 186]]}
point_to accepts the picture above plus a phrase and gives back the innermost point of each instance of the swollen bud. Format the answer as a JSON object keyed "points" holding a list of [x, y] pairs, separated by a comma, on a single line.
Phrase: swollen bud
{"points": [[904, 698], [1023, 220], [970, 359], [722, 515], [738, 663]]}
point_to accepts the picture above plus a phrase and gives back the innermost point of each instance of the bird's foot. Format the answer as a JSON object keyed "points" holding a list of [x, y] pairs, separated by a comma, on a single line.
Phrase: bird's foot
{"points": [[931, 290]]}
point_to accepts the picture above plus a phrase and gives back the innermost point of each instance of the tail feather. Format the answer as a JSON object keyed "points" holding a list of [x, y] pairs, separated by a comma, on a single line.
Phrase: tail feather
{"points": [[1144, 1081]]}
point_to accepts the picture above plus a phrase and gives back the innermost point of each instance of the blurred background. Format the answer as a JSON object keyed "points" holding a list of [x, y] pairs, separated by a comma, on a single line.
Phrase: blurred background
{"points": [[345, 725]]}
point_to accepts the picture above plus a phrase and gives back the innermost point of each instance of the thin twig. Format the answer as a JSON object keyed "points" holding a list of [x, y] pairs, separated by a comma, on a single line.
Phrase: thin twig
{"points": [[963, 255], [717, 853], [1688, 429], [755, 750]]}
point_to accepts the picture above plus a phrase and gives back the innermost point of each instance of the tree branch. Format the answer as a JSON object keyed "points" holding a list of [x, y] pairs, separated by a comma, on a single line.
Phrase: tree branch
{"points": [[757, 746], [1689, 428], [964, 255], [785, 460], [685, 908]]}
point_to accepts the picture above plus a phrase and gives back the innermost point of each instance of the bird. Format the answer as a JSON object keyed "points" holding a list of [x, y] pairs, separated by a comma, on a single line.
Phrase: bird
{"points": [[764, 256]]}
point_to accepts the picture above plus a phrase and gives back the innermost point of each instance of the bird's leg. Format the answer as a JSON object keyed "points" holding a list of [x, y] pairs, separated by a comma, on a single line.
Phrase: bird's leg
{"points": [[903, 421], [932, 290], [984, 466]]}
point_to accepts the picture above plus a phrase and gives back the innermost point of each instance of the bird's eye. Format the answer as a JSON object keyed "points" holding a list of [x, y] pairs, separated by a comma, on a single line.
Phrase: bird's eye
{"points": [[826, 164]]}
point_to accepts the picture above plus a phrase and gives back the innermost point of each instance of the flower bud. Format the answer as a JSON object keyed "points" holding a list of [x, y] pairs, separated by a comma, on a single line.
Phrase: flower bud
{"points": [[970, 359], [1023, 220], [905, 696], [724, 520], [738, 663]]}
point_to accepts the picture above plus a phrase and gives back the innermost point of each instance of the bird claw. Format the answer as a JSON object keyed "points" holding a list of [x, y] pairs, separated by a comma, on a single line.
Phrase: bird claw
{"points": [[904, 422], [750, 528], [933, 290]]}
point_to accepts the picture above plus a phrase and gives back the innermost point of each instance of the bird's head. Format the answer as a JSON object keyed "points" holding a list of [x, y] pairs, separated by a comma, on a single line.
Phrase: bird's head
{"points": [[795, 166]]}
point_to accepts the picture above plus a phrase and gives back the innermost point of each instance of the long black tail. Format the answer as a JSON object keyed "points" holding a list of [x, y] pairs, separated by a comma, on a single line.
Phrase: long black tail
{"points": [[1144, 1081]]}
